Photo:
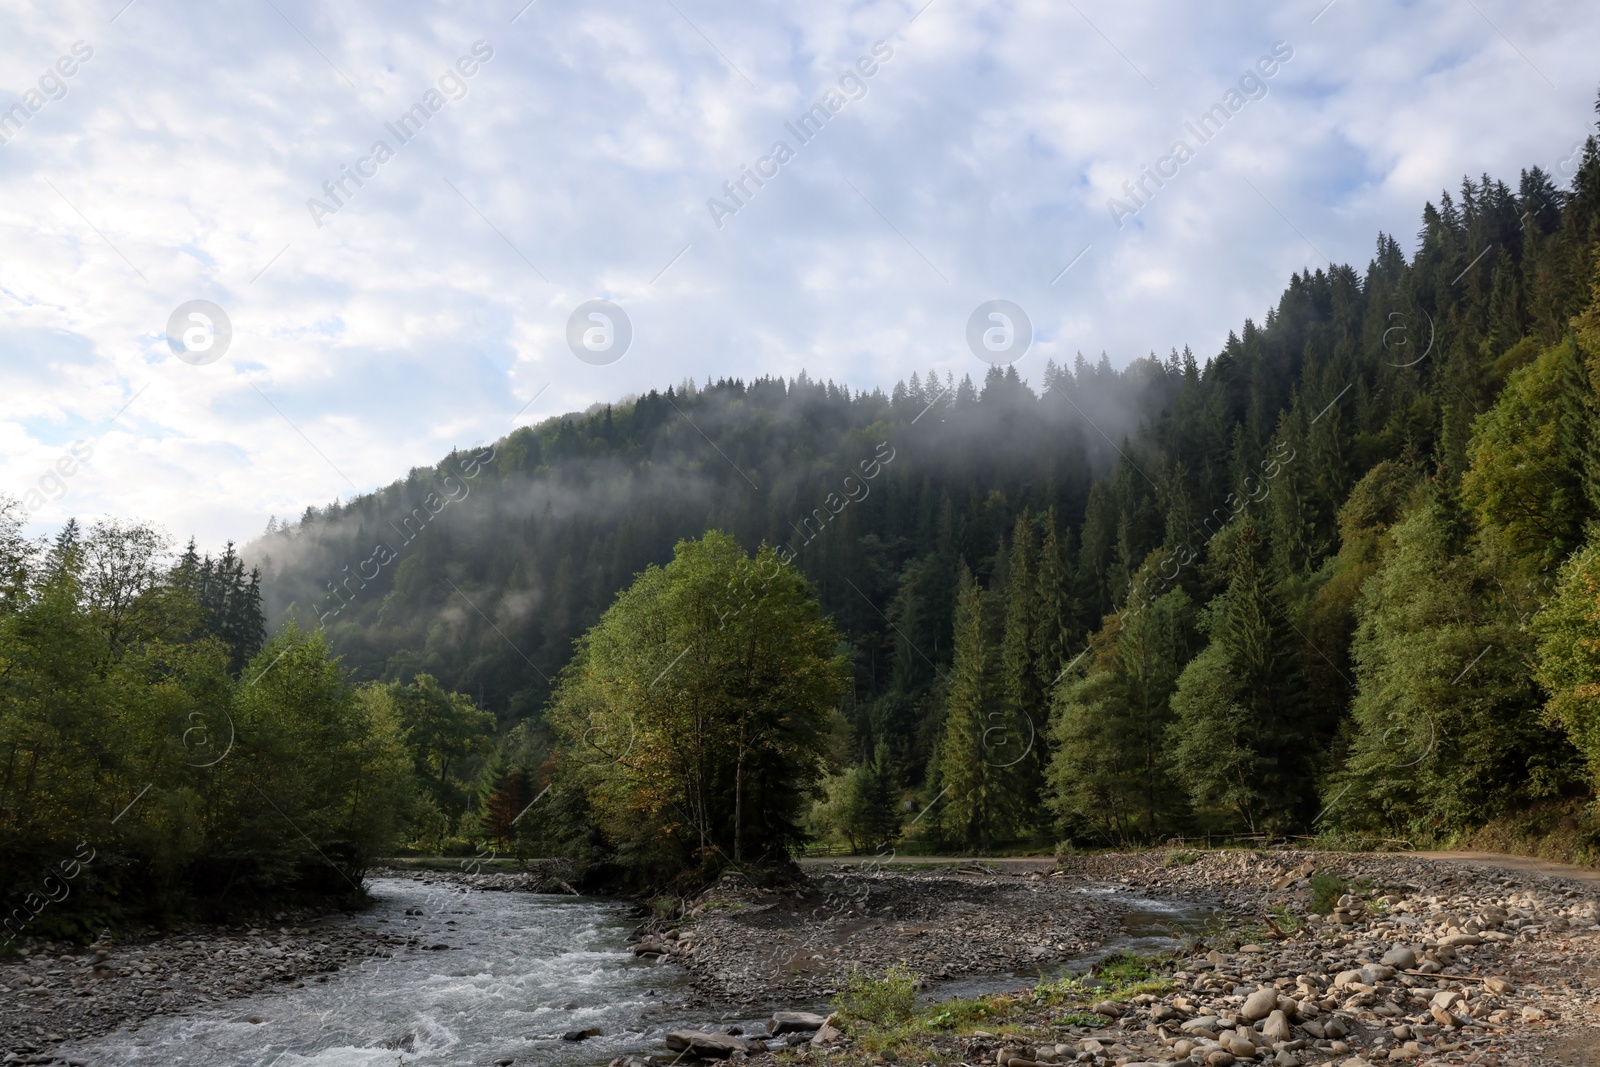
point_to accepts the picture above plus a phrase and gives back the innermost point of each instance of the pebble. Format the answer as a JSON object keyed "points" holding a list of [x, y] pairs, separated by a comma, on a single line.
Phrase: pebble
{"points": [[1411, 969]]}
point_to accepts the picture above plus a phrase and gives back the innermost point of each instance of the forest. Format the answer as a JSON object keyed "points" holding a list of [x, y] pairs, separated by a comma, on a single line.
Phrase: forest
{"points": [[1331, 580], [162, 759], [1340, 579]]}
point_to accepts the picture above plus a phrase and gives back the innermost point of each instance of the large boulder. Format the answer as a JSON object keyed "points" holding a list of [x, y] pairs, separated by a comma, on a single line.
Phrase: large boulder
{"points": [[1260, 1004], [794, 1022], [707, 1046], [1401, 957], [828, 1035]]}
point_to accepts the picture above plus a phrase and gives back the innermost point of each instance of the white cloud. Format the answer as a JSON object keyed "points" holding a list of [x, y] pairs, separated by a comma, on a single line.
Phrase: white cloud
{"points": [[416, 317]]}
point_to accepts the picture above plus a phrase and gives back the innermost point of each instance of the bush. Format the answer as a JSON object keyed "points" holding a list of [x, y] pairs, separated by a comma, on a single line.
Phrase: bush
{"points": [[882, 1002], [1326, 889], [1180, 857]]}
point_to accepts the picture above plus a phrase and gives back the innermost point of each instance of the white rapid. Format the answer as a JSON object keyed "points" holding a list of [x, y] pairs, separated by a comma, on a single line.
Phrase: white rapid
{"points": [[521, 969]]}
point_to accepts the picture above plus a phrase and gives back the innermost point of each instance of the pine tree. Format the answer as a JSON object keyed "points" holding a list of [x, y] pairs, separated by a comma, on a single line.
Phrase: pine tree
{"points": [[1024, 695], [1055, 634], [983, 803], [1443, 718], [874, 818], [1237, 739], [1109, 772]]}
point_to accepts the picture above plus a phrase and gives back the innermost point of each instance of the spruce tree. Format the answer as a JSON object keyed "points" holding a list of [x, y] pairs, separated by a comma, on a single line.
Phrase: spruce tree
{"points": [[1109, 772], [1445, 729], [982, 799], [1024, 694], [1237, 742], [1055, 632]]}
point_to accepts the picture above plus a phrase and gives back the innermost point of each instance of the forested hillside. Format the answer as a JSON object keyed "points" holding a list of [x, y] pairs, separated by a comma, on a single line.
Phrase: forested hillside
{"points": [[1333, 576]]}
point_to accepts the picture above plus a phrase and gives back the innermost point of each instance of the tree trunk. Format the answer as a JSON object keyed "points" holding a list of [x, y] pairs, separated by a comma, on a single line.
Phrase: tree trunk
{"points": [[738, 806]]}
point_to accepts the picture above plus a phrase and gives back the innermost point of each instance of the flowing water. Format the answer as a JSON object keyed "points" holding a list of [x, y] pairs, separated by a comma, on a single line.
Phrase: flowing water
{"points": [[522, 969]]}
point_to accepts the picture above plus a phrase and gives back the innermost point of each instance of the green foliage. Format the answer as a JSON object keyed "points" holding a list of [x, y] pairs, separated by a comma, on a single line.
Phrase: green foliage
{"points": [[1121, 969], [448, 737], [862, 806], [1067, 987], [1568, 632], [1178, 857], [1108, 774], [1444, 729], [1524, 485], [959, 1013], [883, 1002], [143, 777], [1286, 919], [1273, 481], [1239, 740], [697, 714], [1326, 889], [983, 738], [512, 784]]}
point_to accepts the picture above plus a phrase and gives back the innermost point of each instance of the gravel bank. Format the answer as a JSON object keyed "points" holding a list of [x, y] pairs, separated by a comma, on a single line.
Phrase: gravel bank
{"points": [[57, 991], [747, 945], [1417, 961]]}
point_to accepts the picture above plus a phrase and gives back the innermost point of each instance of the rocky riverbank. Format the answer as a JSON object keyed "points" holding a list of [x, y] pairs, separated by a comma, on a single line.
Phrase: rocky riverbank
{"points": [[56, 992], [750, 945], [1329, 958]]}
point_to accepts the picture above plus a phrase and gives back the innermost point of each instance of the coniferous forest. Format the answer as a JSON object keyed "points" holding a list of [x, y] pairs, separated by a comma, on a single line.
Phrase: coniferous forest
{"points": [[1336, 577], [1339, 578]]}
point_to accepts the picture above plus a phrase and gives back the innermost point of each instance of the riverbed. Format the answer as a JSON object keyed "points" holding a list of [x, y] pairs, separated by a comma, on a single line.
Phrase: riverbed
{"points": [[483, 977], [519, 970]]}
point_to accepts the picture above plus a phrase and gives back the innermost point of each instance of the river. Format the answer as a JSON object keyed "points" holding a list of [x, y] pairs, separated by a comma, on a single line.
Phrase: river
{"points": [[522, 969]]}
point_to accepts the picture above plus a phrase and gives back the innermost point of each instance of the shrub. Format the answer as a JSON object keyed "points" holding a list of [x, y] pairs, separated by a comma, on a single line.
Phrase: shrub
{"points": [[1326, 889], [882, 1002]]}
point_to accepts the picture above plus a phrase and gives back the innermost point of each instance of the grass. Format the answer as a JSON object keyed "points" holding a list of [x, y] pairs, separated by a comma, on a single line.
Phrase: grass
{"points": [[880, 1013], [1122, 969], [1180, 857], [1121, 974], [1287, 920], [1153, 986], [958, 1014], [1067, 987]]}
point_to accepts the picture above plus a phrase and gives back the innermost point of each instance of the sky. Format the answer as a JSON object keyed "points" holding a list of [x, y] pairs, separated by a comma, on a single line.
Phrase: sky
{"points": [[514, 162]]}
